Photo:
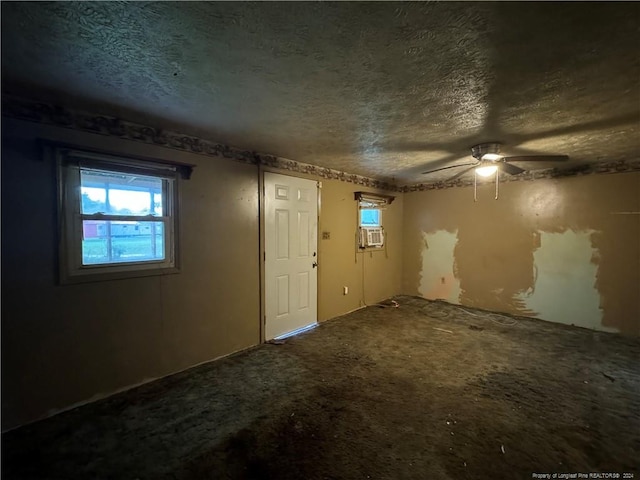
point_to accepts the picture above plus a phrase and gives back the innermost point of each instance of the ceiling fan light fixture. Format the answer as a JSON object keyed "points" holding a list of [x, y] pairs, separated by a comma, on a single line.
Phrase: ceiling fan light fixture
{"points": [[486, 170], [492, 157], [486, 151]]}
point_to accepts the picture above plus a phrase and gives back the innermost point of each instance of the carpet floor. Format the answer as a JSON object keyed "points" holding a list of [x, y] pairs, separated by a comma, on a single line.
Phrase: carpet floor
{"points": [[427, 390]]}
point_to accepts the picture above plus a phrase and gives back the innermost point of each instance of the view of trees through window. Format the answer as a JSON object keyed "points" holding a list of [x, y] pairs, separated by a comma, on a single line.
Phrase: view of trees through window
{"points": [[105, 239]]}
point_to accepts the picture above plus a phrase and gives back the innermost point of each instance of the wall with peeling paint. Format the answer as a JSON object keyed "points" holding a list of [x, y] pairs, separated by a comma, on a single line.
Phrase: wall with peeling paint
{"points": [[564, 250], [565, 290], [439, 281]]}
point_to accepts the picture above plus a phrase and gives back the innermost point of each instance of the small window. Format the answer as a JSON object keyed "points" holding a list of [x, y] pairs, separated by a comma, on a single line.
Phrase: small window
{"points": [[118, 217], [370, 231]]}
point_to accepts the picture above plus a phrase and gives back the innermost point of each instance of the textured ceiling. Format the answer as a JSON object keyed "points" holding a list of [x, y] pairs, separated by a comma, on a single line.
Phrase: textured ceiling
{"points": [[385, 90]]}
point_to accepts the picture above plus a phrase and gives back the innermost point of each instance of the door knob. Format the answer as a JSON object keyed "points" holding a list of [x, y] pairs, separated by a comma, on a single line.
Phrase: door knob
{"points": [[314, 264]]}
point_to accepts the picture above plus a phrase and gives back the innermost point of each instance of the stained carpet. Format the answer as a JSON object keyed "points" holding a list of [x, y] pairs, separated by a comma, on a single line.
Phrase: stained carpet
{"points": [[423, 391]]}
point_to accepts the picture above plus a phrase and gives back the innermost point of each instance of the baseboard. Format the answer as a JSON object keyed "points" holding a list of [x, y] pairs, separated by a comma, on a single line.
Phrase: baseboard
{"points": [[102, 396]]}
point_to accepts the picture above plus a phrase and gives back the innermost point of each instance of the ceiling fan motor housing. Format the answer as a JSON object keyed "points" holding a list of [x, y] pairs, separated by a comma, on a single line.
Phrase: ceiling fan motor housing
{"points": [[480, 150]]}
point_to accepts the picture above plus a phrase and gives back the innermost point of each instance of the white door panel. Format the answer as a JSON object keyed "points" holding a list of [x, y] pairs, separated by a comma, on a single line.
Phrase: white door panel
{"points": [[291, 237]]}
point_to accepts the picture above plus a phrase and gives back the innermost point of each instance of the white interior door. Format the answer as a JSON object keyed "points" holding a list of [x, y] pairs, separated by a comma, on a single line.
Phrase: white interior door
{"points": [[291, 239]]}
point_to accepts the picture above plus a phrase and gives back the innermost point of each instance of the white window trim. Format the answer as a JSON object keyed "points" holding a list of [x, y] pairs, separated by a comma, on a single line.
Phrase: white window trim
{"points": [[70, 227]]}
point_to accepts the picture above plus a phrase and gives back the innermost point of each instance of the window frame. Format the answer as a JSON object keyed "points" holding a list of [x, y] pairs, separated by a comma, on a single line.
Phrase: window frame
{"points": [[376, 202], [69, 162]]}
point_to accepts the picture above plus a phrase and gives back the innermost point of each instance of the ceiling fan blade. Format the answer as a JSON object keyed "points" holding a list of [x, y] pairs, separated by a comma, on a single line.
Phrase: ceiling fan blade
{"points": [[537, 158], [450, 166], [511, 169], [459, 174]]}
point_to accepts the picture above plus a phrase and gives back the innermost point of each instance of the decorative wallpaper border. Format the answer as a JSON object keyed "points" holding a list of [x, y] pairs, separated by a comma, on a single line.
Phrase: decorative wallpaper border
{"points": [[23, 109], [38, 112]]}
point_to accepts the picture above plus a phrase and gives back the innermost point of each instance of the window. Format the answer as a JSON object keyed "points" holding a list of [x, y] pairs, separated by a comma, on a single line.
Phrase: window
{"points": [[118, 217], [371, 233]]}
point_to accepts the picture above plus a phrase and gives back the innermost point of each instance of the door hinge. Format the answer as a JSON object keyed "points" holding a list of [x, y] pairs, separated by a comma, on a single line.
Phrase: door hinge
{"points": [[320, 185], [264, 256]]}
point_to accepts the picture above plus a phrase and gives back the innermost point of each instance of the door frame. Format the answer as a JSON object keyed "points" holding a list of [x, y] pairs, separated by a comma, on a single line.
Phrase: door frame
{"points": [[262, 243]]}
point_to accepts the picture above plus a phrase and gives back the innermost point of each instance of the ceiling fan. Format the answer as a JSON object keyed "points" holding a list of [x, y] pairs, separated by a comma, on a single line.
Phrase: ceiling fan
{"points": [[489, 161]]}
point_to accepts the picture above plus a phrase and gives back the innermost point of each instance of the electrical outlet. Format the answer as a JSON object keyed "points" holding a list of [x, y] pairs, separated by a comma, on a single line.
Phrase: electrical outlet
{"points": [[345, 290]]}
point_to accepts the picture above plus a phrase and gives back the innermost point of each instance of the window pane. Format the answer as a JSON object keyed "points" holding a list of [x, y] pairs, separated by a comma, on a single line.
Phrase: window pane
{"points": [[93, 200], [120, 193], [120, 242], [370, 218]]}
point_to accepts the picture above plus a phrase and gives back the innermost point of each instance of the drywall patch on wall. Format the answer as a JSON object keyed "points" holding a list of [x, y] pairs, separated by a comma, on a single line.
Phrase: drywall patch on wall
{"points": [[438, 279], [565, 287]]}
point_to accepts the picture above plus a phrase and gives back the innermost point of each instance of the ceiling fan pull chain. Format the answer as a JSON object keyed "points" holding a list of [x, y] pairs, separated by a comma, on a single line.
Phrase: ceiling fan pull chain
{"points": [[475, 185]]}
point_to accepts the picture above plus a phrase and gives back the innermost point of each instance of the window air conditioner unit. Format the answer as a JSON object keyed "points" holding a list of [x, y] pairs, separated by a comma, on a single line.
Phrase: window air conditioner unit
{"points": [[371, 237]]}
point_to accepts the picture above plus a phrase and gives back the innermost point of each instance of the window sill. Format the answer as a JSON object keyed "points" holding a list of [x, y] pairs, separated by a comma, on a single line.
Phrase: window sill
{"points": [[110, 276]]}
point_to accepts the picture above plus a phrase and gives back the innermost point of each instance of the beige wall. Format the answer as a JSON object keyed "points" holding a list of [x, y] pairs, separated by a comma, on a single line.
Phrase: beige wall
{"points": [[565, 250], [371, 276], [66, 345]]}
